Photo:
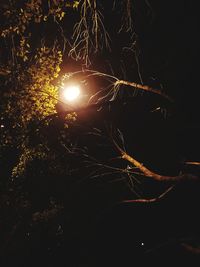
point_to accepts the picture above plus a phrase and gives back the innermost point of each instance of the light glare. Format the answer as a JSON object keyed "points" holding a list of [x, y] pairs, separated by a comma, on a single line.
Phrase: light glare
{"points": [[71, 93]]}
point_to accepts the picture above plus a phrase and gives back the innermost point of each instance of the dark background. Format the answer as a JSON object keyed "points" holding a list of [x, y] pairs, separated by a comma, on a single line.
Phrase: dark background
{"points": [[99, 229], [167, 36]]}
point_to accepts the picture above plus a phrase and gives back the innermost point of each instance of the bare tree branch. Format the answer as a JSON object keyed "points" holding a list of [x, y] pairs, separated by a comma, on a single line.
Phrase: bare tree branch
{"points": [[143, 87], [192, 163], [148, 173]]}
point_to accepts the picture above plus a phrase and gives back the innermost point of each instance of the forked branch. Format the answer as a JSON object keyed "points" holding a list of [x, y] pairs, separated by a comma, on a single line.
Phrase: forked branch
{"points": [[149, 173]]}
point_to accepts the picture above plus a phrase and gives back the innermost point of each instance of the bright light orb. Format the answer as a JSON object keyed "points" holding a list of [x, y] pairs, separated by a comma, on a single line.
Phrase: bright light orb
{"points": [[71, 93]]}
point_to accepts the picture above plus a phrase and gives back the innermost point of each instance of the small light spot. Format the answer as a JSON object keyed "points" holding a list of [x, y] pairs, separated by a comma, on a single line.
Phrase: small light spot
{"points": [[142, 244], [2, 126], [27, 235]]}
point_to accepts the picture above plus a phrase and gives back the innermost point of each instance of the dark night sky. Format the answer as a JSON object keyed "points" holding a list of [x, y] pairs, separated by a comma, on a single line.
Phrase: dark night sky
{"points": [[169, 54], [172, 48], [169, 46], [168, 41]]}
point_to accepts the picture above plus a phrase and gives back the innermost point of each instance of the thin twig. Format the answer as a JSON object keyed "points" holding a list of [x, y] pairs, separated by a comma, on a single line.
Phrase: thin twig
{"points": [[156, 199]]}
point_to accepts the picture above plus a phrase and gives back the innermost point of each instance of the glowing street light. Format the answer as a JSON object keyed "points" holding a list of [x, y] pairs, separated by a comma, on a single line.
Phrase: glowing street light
{"points": [[71, 93], [70, 97]]}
